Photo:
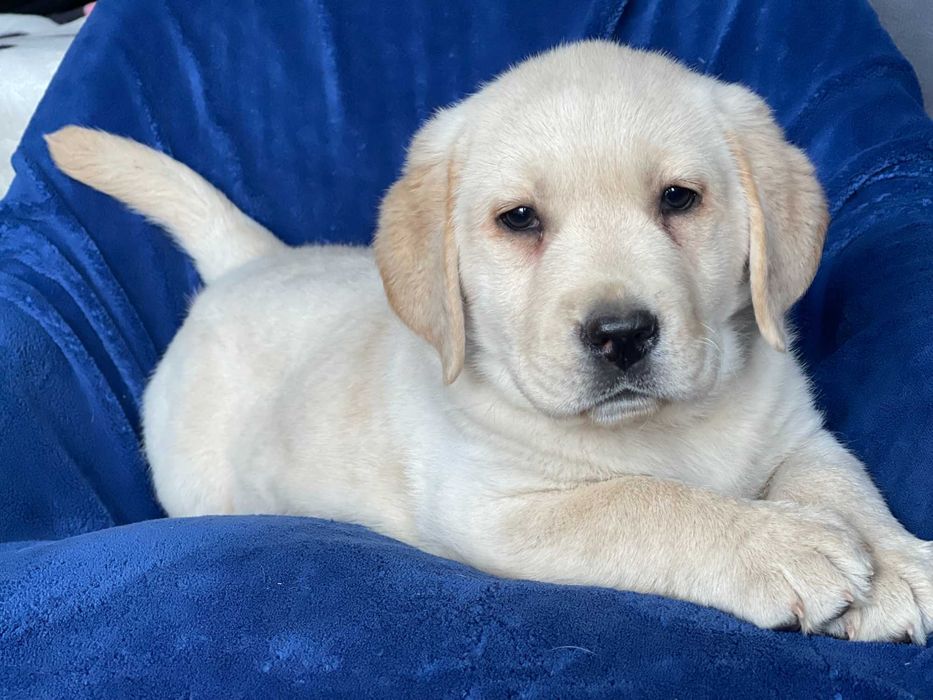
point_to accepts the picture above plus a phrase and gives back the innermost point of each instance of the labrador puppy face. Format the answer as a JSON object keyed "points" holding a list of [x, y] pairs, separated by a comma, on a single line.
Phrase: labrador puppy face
{"points": [[601, 237], [585, 230]]}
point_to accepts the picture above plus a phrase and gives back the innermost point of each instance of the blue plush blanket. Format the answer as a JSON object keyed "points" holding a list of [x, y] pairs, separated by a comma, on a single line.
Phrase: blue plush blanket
{"points": [[300, 111]]}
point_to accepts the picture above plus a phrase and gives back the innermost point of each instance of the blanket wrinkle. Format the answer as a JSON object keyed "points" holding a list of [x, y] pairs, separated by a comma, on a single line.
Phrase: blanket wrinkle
{"points": [[330, 69], [83, 257], [87, 317], [106, 490], [86, 309], [871, 69], [604, 19], [728, 22], [892, 156]]}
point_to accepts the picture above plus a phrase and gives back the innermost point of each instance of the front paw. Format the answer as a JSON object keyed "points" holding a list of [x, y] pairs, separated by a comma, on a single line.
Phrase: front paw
{"points": [[900, 607], [801, 567]]}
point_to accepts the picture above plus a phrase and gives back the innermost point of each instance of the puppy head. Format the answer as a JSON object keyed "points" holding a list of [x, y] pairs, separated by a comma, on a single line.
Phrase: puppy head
{"points": [[588, 228]]}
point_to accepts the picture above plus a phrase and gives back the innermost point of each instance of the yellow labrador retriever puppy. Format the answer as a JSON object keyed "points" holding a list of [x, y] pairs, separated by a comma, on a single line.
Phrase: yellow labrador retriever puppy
{"points": [[571, 368]]}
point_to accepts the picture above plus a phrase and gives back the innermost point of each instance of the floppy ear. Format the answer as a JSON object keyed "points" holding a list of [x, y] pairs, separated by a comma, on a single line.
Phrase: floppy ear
{"points": [[415, 246], [787, 214]]}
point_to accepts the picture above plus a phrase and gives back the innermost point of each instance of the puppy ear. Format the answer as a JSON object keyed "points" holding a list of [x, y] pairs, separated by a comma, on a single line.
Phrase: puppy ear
{"points": [[787, 214], [415, 246]]}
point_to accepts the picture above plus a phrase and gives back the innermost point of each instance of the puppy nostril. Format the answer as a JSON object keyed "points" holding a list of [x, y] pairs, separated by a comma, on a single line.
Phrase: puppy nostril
{"points": [[642, 335]]}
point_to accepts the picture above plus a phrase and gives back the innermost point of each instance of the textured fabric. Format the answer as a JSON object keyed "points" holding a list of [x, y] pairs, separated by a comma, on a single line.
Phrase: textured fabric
{"points": [[300, 112]]}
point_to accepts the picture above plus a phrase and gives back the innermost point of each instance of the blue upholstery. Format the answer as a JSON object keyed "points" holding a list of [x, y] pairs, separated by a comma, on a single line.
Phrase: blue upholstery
{"points": [[300, 110]]}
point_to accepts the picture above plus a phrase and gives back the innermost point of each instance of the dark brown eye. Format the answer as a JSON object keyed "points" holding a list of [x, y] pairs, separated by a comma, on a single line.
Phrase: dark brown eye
{"points": [[678, 199], [520, 219]]}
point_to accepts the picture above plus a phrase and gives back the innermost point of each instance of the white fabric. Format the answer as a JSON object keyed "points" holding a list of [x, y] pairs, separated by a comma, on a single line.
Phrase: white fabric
{"points": [[25, 72]]}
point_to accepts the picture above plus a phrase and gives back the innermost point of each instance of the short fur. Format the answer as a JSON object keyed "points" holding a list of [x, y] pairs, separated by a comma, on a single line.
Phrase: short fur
{"points": [[292, 387]]}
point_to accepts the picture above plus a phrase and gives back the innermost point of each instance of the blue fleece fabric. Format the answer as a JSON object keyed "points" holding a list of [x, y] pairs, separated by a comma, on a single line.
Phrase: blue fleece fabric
{"points": [[300, 110]]}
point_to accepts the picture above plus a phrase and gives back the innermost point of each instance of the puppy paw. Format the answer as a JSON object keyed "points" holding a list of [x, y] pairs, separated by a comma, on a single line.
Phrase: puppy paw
{"points": [[900, 607], [803, 568]]}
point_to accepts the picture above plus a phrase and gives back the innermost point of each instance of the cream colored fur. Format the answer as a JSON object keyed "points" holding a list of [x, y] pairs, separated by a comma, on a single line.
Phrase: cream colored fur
{"points": [[468, 422]]}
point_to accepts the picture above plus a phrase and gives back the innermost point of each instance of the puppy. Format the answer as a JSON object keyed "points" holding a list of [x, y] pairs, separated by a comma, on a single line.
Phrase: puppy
{"points": [[572, 368]]}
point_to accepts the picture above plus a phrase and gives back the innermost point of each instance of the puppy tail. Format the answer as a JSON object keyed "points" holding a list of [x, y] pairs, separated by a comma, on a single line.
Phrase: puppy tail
{"points": [[208, 227]]}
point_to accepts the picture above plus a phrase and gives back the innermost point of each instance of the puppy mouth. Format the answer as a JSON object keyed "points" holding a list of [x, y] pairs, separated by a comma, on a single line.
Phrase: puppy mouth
{"points": [[621, 394], [622, 404]]}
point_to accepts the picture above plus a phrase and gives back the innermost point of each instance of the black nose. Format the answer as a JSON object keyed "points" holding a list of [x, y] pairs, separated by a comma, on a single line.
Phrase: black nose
{"points": [[621, 339]]}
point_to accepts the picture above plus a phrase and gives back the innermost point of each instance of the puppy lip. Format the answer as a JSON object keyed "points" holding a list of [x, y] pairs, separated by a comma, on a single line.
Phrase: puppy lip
{"points": [[622, 395], [622, 404]]}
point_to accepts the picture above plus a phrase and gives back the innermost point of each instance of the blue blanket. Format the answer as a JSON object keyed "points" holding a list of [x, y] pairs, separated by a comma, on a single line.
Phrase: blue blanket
{"points": [[300, 111]]}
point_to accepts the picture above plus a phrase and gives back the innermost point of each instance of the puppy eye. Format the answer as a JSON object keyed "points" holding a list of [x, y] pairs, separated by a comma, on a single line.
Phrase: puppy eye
{"points": [[520, 219], [678, 199]]}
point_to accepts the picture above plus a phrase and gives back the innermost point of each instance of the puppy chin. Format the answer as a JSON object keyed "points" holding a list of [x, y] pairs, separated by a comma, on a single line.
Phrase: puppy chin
{"points": [[623, 409]]}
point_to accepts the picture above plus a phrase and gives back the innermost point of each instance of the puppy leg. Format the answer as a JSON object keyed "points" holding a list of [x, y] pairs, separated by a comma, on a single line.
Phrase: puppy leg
{"points": [[822, 473], [773, 564]]}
